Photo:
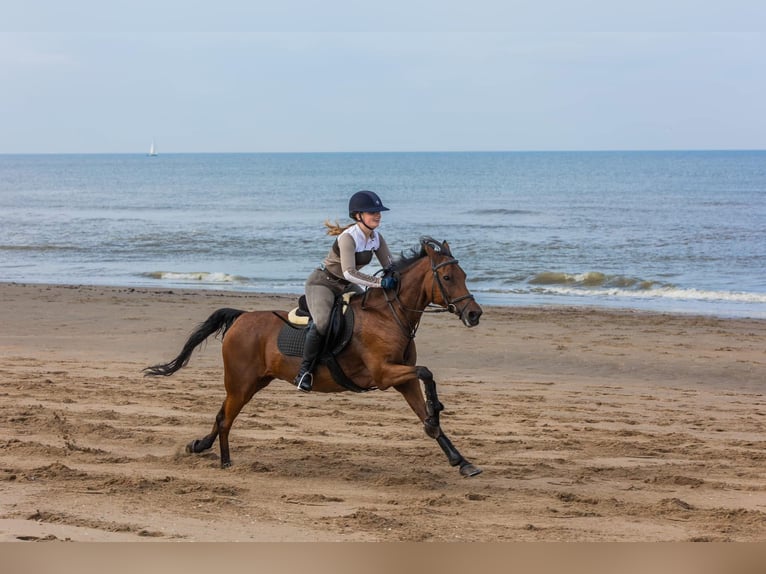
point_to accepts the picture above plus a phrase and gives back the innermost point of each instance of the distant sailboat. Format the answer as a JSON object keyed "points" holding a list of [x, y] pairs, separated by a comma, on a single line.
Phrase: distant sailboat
{"points": [[152, 150]]}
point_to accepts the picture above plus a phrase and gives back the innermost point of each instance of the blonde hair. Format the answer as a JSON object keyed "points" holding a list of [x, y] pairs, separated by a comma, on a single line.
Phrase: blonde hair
{"points": [[336, 228]]}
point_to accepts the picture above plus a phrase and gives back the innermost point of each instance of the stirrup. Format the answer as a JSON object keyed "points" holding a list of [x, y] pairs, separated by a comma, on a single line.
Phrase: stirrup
{"points": [[305, 383]]}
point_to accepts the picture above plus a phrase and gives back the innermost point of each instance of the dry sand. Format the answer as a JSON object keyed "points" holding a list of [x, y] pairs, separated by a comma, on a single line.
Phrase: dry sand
{"points": [[590, 425]]}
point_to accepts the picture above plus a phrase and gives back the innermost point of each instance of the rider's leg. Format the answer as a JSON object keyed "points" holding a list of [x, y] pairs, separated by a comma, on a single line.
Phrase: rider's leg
{"points": [[311, 348], [319, 298]]}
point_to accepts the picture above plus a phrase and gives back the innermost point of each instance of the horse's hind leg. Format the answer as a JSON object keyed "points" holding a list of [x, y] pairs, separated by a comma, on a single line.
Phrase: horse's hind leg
{"points": [[231, 407], [223, 422], [202, 444], [428, 412]]}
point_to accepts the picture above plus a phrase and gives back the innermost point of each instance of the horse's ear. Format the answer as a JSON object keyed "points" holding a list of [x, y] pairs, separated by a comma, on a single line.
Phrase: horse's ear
{"points": [[432, 246]]}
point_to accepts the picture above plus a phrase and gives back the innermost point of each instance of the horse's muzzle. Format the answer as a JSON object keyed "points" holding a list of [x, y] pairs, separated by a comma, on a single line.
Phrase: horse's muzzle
{"points": [[470, 314], [471, 319]]}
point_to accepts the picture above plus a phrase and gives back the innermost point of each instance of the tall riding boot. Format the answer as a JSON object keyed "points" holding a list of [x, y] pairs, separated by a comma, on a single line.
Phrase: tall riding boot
{"points": [[313, 344]]}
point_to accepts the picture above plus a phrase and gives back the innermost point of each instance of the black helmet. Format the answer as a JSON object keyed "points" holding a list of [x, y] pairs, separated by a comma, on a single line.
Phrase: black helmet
{"points": [[365, 201]]}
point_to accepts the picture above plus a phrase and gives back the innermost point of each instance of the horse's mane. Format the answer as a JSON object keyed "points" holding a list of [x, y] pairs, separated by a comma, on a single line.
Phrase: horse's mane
{"points": [[415, 254]]}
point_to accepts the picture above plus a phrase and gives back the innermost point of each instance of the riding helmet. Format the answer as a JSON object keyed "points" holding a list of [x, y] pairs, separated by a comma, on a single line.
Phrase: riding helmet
{"points": [[365, 201]]}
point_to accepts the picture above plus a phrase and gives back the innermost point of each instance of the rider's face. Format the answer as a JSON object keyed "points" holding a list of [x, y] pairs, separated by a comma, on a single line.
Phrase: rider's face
{"points": [[371, 220]]}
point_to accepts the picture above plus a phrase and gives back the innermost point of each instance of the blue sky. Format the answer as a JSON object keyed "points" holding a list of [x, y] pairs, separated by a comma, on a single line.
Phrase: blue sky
{"points": [[250, 76]]}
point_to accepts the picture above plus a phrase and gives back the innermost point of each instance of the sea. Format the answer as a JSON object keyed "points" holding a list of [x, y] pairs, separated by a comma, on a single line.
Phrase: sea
{"points": [[675, 231]]}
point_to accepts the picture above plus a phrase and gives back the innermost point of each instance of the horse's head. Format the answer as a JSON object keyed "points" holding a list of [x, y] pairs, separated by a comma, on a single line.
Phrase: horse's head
{"points": [[448, 288]]}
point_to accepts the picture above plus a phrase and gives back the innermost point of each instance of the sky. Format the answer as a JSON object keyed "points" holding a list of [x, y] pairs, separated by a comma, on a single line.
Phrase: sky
{"points": [[87, 76]]}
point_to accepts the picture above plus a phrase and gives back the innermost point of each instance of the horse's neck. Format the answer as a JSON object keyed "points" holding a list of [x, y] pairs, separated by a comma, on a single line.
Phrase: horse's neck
{"points": [[414, 293]]}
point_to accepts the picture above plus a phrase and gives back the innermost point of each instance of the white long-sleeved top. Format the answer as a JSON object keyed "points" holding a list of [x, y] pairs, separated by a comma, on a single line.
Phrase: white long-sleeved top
{"points": [[352, 250]]}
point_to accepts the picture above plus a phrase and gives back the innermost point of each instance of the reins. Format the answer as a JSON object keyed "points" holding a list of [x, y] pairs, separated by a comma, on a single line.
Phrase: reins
{"points": [[450, 306]]}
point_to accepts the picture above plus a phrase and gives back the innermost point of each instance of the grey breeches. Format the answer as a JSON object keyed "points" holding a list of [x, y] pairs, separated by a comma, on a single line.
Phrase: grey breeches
{"points": [[321, 290]]}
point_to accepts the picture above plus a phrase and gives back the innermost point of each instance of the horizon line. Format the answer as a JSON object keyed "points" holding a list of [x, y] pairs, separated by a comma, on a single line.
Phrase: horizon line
{"points": [[467, 151]]}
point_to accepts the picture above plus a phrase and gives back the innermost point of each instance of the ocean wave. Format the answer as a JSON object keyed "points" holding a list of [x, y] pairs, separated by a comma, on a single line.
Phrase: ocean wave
{"points": [[502, 211], [594, 279], [194, 277], [42, 248], [673, 293], [602, 285]]}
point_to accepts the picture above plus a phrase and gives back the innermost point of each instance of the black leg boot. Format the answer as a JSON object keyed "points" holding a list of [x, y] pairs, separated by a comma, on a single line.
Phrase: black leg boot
{"points": [[311, 348]]}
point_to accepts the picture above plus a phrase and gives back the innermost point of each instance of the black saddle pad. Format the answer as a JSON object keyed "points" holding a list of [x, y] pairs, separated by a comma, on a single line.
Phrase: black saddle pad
{"points": [[290, 340]]}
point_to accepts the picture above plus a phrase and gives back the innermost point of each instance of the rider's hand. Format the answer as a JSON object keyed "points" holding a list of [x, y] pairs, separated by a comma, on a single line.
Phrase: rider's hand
{"points": [[388, 282]]}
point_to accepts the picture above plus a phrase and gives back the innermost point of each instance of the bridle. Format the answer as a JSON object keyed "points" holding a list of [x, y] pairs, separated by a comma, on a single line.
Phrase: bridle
{"points": [[450, 305]]}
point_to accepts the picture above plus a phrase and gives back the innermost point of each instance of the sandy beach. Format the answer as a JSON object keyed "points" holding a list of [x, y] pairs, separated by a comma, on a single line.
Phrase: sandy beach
{"points": [[590, 425]]}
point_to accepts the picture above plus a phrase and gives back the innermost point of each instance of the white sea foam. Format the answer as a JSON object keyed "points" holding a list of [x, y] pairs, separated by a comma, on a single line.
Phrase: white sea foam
{"points": [[195, 277], [673, 293]]}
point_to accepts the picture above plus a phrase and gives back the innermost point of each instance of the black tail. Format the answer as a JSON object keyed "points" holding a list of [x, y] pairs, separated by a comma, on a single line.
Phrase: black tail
{"points": [[218, 322]]}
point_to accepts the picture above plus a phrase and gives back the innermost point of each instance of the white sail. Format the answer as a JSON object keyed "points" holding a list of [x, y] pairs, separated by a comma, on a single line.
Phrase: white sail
{"points": [[152, 150]]}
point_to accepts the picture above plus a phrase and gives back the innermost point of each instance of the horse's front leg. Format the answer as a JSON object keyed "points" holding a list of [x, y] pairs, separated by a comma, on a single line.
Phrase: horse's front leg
{"points": [[428, 412]]}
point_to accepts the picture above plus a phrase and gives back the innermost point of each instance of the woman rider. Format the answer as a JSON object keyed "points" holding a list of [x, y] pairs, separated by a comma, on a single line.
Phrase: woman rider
{"points": [[339, 273]]}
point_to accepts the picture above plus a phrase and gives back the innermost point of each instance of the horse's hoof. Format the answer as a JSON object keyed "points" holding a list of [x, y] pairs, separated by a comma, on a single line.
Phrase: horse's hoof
{"points": [[228, 464], [190, 448], [468, 470]]}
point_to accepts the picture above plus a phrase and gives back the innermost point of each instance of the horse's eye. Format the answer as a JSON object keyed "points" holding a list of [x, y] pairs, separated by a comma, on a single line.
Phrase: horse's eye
{"points": [[446, 277]]}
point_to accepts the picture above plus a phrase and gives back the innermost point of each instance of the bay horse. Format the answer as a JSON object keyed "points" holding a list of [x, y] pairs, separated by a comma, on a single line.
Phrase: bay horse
{"points": [[380, 354]]}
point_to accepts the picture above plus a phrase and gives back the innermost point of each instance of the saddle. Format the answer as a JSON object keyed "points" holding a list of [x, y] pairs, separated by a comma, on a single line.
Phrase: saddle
{"points": [[292, 336]]}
